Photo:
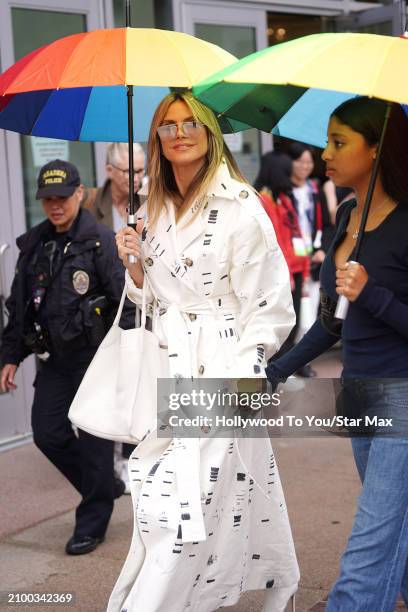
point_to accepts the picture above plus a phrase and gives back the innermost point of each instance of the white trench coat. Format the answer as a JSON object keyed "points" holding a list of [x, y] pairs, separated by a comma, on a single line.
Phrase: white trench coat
{"points": [[223, 305]]}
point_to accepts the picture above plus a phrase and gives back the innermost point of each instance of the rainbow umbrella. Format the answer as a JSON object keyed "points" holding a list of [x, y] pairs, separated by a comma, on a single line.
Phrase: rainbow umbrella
{"points": [[296, 84], [76, 87], [262, 87], [81, 87]]}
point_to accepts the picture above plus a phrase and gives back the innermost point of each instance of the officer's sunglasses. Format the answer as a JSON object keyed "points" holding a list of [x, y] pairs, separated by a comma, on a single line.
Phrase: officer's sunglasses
{"points": [[125, 171], [190, 129]]}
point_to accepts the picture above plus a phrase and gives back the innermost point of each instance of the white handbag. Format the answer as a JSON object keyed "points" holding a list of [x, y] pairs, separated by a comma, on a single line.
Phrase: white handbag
{"points": [[117, 398]]}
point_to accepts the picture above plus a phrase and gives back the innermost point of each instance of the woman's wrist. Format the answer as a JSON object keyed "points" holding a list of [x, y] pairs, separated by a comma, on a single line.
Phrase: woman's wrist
{"points": [[137, 275]]}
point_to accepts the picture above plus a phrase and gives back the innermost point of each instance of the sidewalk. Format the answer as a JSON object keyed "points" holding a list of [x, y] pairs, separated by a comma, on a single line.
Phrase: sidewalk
{"points": [[320, 484]]}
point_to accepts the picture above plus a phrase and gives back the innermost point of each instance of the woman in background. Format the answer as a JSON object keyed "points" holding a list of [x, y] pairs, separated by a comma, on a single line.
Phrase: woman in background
{"points": [[275, 174]]}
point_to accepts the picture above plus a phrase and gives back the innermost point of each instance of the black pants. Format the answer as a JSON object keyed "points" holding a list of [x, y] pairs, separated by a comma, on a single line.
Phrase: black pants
{"points": [[86, 461]]}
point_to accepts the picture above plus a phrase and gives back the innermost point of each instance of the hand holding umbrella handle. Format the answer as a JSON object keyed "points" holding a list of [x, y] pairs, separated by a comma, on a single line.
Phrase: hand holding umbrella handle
{"points": [[132, 223], [342, 304], [341, 308]]}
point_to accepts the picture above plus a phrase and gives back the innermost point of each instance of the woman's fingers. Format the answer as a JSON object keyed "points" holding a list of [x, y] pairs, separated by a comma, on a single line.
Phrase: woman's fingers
{"points": [[128, 243]]}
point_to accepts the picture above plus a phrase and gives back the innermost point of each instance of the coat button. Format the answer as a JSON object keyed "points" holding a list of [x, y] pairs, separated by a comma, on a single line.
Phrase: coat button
{"points": [[188, 262], [201, 369], [243, 194], [192, 316], [149, 261]]}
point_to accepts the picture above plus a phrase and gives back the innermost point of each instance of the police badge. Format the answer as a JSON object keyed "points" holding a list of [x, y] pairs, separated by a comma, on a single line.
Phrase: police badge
{"points": [[80, 280]]}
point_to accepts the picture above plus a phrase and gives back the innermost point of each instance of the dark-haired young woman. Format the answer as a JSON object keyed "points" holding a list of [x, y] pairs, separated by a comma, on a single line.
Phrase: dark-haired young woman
{"points": [[375, 347], [275, 187]]}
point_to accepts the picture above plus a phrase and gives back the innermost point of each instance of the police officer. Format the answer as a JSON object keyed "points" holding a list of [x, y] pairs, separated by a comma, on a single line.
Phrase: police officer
{"points": [[67, 286]]}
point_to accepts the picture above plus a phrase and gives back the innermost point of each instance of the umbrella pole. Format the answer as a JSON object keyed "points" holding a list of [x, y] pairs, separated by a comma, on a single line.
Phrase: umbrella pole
{"points": [[342, 302], [131, 213]]}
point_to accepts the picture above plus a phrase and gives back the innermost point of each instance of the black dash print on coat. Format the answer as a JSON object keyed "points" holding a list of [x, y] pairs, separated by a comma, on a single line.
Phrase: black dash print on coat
{"points": [[154, 469], [208, 283], [225, 276], [212, 217], [241, 476], [265, 521], [165, 494], [256, 556], [260, 349], [214, 474], [207, 242], [151, 239], [185, 516], [257, 369], [270, 584], [206, 273], [210, 580], [160, 254], [167, 482], [262, 304], [237, 519], [174, 355], [184, 504]]}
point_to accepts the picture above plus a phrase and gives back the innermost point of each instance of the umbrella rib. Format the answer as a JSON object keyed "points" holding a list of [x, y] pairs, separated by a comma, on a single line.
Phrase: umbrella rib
{"points": [[169, 38], [69, 57], [310, 57], [377, 72]]}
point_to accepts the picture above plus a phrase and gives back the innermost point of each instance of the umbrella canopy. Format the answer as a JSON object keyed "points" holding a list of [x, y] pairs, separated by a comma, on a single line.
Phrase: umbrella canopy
{"points": [[261, 88], [76, 87]]}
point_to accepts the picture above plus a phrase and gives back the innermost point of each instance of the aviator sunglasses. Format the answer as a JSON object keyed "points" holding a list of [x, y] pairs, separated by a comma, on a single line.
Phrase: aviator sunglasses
{"points": [[190, 129]]}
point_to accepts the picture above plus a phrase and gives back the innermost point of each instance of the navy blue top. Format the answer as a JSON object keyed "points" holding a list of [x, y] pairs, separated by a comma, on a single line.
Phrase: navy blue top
{"points": [[375, 332]]}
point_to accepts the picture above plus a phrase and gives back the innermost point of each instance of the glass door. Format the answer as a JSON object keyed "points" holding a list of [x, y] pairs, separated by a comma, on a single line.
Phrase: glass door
{"points": [[387, 19], [240, 31], [24, 26]]}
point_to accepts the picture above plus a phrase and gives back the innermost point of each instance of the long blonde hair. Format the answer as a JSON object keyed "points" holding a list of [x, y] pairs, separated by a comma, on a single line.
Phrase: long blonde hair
{"points": [[162, 183]]}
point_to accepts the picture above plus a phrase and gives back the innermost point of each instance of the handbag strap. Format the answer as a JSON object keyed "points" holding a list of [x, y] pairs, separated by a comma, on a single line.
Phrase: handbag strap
{"points": [[122, 303]]}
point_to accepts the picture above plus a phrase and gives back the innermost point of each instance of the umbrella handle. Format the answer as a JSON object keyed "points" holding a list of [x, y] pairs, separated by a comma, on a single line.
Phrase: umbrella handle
{"points": [[132, 223], [342, 303], [341, 308]]}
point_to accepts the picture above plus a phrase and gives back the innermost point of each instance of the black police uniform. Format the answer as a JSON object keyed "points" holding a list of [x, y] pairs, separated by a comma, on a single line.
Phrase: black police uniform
{"points": [[63, 299]]}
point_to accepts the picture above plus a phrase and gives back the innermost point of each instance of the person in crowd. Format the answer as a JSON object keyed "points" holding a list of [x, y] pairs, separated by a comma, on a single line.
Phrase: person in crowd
{"points": [[110, 202], [314, 218], [220, 293], [67, 285], [109, 205], [374, 566], [275, 175]]}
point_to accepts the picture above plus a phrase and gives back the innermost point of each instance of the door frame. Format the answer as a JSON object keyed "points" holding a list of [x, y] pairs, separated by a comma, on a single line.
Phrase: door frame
{"points": [[187, 12], [13, 222]]}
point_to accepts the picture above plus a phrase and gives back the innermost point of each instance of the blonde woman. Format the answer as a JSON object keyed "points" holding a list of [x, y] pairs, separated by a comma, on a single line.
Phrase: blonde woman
{"points": [[221, 302]]}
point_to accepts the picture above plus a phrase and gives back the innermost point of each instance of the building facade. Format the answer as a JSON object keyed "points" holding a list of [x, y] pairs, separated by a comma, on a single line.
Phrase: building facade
{"points": [[240, 26]]}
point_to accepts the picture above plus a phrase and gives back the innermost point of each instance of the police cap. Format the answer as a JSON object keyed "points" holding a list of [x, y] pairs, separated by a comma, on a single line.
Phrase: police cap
{"points": [[57, 178]]}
